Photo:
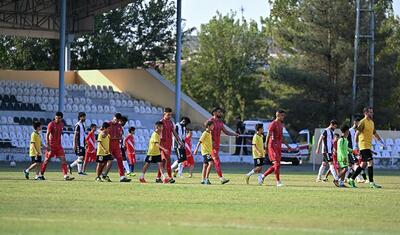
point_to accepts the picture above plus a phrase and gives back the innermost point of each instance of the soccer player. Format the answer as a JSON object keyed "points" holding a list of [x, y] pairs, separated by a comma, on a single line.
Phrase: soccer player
{"points": [[90, 154], [130, 150], [219, 127], [115, 148], [326, 140], [125, 163], [166, 143], [180, 151], [79, 144], [103, 151], [35, 151], [154, 153], [258, 151], [365, 132], [273, 145], [343, 152], [353, 159], [334, 157], [189, 157], [206, 149], [54, 147]]}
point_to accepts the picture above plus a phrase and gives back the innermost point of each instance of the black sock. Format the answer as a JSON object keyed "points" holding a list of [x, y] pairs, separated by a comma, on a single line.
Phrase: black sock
{"points": [[356, 173], [364, 175], [350, 174], [371, 173]]}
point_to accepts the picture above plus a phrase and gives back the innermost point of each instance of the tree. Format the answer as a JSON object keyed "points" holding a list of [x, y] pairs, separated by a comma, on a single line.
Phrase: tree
{"points": [[225, 69]]}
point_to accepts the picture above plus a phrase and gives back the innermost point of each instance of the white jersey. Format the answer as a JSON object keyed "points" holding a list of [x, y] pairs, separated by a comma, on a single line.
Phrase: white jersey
{"points": [[327, 142], [181, 131], [80, 131]]}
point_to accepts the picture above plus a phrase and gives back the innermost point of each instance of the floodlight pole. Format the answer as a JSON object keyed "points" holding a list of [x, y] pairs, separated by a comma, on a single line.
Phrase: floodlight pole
{"points": [[61, 70], [178, 59]]}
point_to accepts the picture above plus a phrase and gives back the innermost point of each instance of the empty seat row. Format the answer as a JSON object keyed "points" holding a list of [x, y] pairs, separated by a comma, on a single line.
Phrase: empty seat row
{"points": [[8, 98], [29, 91], [83, 87], [17, 106], [106, 95], [23, 84]]}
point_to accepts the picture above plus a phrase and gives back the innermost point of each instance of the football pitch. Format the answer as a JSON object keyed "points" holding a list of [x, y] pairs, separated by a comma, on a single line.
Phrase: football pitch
{"points": [[187, 207]]}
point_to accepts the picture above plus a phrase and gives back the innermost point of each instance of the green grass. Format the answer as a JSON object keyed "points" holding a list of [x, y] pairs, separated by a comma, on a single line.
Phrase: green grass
{"points": [[300, 207]]}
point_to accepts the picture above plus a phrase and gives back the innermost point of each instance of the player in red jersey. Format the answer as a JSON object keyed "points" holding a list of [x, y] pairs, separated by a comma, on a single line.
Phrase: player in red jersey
{"points": [[219, 127], [189, 156], [54, 147], [273, 144], [90, 155], [130, 150], [166, 142], [115, 148]]}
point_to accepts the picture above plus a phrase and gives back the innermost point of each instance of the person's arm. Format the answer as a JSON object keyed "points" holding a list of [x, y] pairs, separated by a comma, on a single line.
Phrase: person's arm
{"points": [[38, 151], [161, 147], [356, 140], [267, 141], [197, 148], [178, 139], [319, 143], [229, 132], [378, 137], [258, 151], [76, 135], [48, 138]]}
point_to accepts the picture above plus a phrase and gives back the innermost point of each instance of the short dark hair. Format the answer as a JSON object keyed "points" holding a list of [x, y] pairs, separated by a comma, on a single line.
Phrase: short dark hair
{"points": [[167, 110], [188, 129], [337, 135], [187, 120], [105, 125], [159, 123], [124, 119], [59, 114], [357, 119], [215, 109], [36, 124], [118, 116], [334, 122], [93, 125], [81, 114], [208, 123], [259, 126], [131, 129], [344, 128], [367, 108], [280, 111]]}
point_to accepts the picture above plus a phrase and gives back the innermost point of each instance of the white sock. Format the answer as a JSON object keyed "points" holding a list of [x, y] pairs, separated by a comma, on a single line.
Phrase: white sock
{"points": [[250, 173], [126, 166], [75, 163], [175, 164], [122, 177], [347, 173], [333, 171], [142, 176], [80, 167], [321, 171], [221, 178], [180, 169], [359, 177], [27, 170]]}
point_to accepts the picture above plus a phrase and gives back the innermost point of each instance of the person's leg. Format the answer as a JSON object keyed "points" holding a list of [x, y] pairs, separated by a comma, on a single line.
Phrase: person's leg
{"points": [[64, 167], [161, 170], [45, 162], [204, 171], [358, 170], [371, 171], [321, 170], [277, 170], [33, 165], [107, 167], [180, 169], [118, 157], [168, 166], [237, 142], [191, 170], [144, 169], [174, 165], [217, 163], [333, 170], [208, 170], [38, 170], [85, 161]]}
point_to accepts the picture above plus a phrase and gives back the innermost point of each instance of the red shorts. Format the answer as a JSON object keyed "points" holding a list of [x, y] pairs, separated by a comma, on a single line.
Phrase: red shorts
{"points": [[189, 161], [131, 158], [55, 152], [115, 151], [274, 153], [90, 156]]}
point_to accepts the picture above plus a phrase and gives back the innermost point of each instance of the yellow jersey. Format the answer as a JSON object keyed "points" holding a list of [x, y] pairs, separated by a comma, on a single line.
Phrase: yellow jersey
{"points": [[366, 129], [154, 150], [36, 140], [259, 143], [103, 148], [206, 143]]}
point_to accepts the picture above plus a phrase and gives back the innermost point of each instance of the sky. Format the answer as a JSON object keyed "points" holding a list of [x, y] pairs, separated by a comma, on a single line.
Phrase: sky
{"points": [[197, 12]]}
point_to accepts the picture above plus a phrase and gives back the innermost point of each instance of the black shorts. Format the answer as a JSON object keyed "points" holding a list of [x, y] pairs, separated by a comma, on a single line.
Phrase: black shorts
{"points": [[80, 151], [259, 162], [180, 154], [327, 157], [366, 155], [36, 159], [103, 159], [153, 159], [123, 153], [352, 159], [207, 158]]}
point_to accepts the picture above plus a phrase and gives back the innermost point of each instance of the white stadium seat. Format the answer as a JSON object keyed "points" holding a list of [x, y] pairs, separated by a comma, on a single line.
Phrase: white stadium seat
{"points": [[52, 92], [82, 100], [148, 110], [100, 108], [106, 108], [75, 87], [55, 107], [389, 141], [10, 120], [117, 95], [3, 120], [81, 107], [154, 110], [88, 101], [160, 110], [112, 102], [386, 154], [132, 123], [124, 103], [74, 108], [94, 108], [130, 103], [138, 123], [113, 109], [46, 92], [142, 109], [76, 100], [99, 95], [52, 100], [88, 108], [118, 103], [70, 100], [68, 107], [68, 121], [136, 109], [110, 95], [104, 95]]}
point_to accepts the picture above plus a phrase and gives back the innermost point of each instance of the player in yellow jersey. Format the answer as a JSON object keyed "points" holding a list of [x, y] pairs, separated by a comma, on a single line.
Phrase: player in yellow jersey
{"points": [[258, 151], [103, 151], [365, 132], [35, 151], [206, 149]]}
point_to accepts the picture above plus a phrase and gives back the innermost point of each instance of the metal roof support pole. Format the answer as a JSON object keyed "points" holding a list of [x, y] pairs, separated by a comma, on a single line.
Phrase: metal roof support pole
{"points": [[178, 60], [61, 70]]}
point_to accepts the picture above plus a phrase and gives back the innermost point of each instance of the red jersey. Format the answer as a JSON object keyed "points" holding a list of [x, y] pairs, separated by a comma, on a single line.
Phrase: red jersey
{"points": [[55, 130], [275, 131], [216, 133], [166, 136], [130, 144], [90, 143], [188, 146], [115, 132]]}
